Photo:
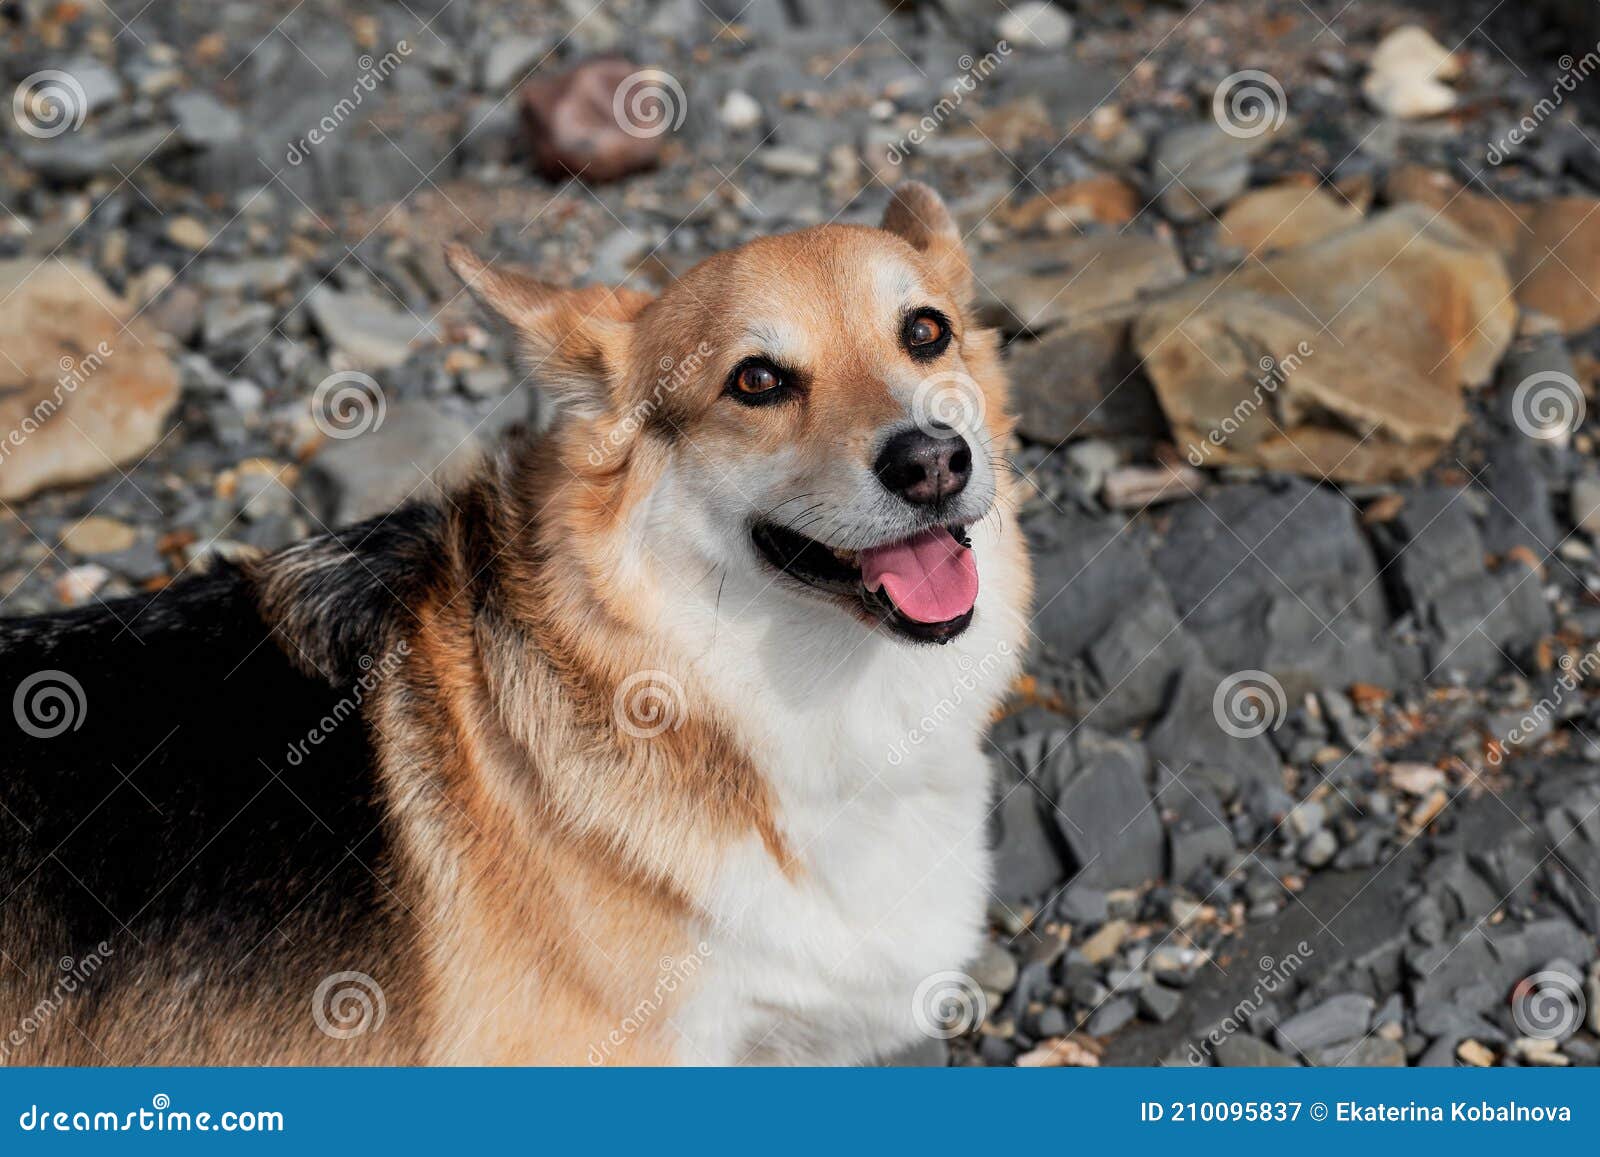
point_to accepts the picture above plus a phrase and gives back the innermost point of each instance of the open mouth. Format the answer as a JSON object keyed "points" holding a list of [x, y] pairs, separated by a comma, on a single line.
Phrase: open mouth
{"points": [[922, 588]]}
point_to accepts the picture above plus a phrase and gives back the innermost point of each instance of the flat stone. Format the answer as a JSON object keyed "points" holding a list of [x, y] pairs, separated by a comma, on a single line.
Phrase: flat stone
{"points": [[1284, 217], [1200, 167], [1343, 1018], [415, 451], [1032, 285], [1079, 381], [77, 393], [1243, 1051], [1244, 374], [1102, 809], [373, 333]]}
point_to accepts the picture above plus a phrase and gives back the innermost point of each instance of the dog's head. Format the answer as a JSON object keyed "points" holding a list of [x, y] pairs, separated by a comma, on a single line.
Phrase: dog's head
{"points": [[818, 411]]}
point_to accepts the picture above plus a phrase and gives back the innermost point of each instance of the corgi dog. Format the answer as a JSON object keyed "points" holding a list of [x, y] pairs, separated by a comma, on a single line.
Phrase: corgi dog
{"points": [[658, 741]]}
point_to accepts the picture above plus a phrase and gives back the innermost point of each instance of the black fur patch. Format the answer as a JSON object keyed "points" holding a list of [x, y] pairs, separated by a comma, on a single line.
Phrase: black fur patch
{"points": [[205, 776]]}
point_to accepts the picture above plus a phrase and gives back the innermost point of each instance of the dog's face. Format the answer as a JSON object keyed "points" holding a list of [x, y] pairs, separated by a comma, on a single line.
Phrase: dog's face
{"points": [[818, 408]]}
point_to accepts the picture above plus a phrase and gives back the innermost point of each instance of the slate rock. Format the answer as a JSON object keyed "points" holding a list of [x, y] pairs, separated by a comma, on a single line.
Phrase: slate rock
{"points": [[1343, 1018]]}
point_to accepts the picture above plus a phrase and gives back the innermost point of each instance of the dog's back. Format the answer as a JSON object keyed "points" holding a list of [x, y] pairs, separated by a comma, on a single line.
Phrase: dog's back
{"points": [[190, 821]]}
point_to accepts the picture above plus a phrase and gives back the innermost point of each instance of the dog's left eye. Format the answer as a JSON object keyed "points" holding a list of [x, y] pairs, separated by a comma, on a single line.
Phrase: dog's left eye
{"points": [[926, 334], [757, 382]]}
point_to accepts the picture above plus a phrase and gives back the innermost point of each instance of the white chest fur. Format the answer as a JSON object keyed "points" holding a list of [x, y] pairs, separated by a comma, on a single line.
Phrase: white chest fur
{"points": [[872, 749]]}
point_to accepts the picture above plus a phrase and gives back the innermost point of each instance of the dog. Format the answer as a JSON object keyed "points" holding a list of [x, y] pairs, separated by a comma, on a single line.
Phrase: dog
{"points": [[658, 741]]}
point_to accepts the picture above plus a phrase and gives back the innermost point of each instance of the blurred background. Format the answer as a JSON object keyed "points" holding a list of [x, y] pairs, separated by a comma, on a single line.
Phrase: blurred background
{"points": [[1300, 303]]}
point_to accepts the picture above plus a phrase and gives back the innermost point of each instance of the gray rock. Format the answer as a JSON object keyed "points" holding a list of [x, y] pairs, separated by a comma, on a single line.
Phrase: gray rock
{"points": [[1112, 1015], [994, 968], [1159, 1003], [1077, 381], [1369, 1052], [414, 451], [1029, 861], [1343, 1018], [204, 121], [509, 60], [1102, 810], [1197, 168], [371, 331], [1197, 834], [1189, 735], [1241, 1051], [1319, 849]]}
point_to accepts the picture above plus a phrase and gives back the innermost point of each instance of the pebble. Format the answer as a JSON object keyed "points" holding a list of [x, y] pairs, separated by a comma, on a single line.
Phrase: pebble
{"points": [[1101, 946], [1035, 24], [740, 111], [188, 233]]}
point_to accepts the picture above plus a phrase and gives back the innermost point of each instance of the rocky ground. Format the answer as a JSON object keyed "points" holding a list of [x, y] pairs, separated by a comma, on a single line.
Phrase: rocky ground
{"points": [[1301, 305]]}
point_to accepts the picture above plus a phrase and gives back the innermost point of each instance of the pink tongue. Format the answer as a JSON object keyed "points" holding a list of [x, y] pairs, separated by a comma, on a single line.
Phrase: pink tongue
{"points": [[931, 578]]}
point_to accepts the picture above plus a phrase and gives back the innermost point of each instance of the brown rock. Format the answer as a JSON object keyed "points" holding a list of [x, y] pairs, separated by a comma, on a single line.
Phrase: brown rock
{"points": [[1344, 358], [1033, 285], [1552, 247], [599, 121], [1557, 264], [77, 392], [1284, 217], [1102, 199], [97, 534], [1491, 221]]}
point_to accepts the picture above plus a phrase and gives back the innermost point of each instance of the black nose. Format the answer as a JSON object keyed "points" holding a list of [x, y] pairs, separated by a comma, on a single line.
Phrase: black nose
{"points": [[923, 468]]}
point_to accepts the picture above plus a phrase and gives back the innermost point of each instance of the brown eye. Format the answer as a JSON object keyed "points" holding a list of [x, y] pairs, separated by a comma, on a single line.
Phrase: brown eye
{"points": [[925, 331], [926, 334], [757, 379]]}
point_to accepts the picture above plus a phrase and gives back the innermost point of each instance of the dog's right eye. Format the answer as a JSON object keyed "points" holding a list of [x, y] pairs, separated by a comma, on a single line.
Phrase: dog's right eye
{"points": [[757, 382]]}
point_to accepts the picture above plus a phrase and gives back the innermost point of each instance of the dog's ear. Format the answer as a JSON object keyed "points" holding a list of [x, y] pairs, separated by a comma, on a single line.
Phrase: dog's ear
{"points": [[919, 215], [573, 343]]}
